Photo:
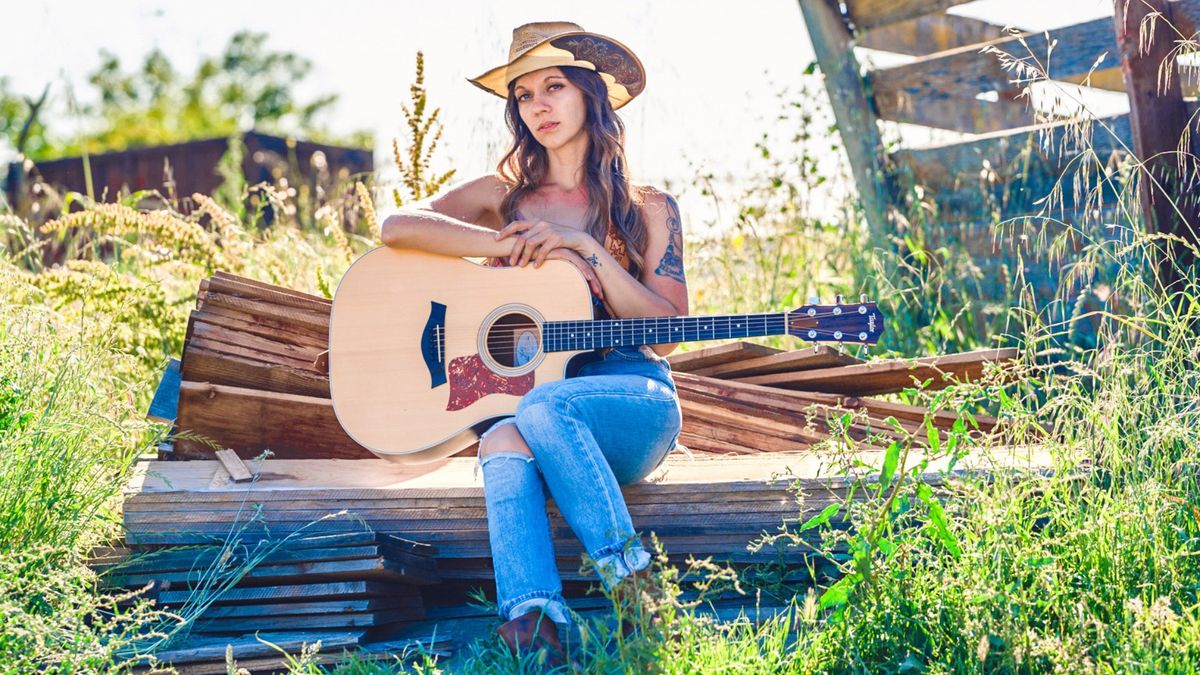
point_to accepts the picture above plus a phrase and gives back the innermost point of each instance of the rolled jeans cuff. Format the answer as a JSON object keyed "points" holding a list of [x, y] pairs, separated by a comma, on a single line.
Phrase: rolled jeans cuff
{"points": [[549, 602], [614, 563]]}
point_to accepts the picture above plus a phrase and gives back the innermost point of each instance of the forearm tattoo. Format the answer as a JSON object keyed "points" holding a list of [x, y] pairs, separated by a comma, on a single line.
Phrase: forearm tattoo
{"points": [[594, 260], [671, 265]]}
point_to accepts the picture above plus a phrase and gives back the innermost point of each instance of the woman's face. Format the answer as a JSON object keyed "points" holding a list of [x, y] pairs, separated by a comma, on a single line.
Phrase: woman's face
{"points": [[551, 106]]}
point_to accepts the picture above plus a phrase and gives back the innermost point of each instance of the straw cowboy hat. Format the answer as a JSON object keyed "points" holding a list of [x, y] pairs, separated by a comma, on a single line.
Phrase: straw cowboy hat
{"points": [[562, 43]]}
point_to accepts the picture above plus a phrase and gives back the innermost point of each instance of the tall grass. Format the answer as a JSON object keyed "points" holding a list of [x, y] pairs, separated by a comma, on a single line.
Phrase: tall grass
{"points": [[1089, 566]]}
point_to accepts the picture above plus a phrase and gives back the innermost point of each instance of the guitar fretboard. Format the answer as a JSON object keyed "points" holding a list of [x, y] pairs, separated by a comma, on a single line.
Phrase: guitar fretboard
{"points": [[562, 336]]}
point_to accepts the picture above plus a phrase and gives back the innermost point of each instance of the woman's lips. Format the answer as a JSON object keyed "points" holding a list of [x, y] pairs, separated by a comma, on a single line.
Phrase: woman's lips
{"points": [[549, 126]]}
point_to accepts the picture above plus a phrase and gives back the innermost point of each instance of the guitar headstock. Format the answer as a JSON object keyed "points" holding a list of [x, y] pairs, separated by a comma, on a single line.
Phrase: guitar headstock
{"points": [[859, 322]]}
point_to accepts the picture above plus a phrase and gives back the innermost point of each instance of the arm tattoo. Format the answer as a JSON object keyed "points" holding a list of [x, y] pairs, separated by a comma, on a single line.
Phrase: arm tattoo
{"points": [[671, 265], [594, 260]]}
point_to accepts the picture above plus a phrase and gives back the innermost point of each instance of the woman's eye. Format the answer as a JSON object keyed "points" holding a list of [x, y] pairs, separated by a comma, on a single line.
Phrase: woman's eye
{"points": [[522, 97], [554, 86]]}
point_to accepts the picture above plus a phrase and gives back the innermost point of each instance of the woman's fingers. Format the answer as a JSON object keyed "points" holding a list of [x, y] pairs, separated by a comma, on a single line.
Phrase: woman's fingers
{"points": [[512, 228], [538, 242], [519, 245]]}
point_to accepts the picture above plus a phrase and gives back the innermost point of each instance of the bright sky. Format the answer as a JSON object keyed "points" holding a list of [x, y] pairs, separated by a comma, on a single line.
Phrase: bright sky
{"points": [[714, 67]]}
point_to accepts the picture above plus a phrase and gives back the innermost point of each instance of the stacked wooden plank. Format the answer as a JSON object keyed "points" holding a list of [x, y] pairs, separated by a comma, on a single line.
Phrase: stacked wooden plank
{"points": [[254, 378], [745, 399], [254, 373], [699, 506], [330, 582]]}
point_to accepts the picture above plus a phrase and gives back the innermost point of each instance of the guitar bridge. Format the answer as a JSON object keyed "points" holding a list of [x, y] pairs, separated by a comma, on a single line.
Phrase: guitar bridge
{"points": [[433, 344]]}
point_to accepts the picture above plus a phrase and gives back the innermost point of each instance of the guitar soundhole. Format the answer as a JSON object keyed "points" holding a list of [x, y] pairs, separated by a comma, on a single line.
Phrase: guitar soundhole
{"points": [[514, 340]]}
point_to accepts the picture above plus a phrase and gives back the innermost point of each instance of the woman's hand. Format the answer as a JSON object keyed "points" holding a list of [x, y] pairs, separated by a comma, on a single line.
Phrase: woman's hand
{"points": [[575, 259], [536, 239]]}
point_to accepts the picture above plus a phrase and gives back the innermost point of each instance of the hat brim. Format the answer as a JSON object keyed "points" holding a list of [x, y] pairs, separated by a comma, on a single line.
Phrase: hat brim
{"points": [[620, 69]]}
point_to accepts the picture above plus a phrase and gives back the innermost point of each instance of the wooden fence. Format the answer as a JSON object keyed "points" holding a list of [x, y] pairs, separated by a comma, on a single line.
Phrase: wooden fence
{"points": [[1011, 158], [192, 167]]}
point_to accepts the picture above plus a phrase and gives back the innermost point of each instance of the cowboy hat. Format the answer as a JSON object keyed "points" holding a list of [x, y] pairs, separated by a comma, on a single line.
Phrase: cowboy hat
{"points": [[561, 43]]}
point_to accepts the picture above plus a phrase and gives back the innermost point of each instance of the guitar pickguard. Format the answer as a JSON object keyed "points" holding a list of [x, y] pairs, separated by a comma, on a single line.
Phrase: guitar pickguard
{"points": [[471, 380]]}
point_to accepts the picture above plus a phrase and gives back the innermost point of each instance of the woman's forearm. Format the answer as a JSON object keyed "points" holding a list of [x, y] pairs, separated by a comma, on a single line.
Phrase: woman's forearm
{"points": [[626, 296], [437, 233]]}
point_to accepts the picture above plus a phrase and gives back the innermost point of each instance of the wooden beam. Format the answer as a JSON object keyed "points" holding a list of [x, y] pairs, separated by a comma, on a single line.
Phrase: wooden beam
{"points": [[956, 112], [874, 13], [1023, 167], [1159, 120], [250, 421], [892, 376], [929, 34], [965, 72], [833, 45], [721, 354]]}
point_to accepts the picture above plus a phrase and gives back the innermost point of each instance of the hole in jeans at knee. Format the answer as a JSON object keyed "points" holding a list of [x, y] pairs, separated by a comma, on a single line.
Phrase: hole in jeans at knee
{"points": [[496, 455], [505, 444]]}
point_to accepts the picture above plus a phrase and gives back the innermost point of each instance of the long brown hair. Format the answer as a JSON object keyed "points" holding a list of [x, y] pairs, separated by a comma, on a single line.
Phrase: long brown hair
{"points": [[611, 197]]}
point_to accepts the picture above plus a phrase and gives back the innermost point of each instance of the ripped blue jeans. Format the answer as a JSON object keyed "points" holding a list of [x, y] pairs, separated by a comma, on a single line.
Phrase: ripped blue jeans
{"points": [[610, 425]]}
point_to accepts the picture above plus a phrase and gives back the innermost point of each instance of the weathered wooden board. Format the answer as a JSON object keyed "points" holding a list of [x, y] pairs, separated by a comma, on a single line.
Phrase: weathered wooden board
{"points": [[376, 569], [818, 356], [307, 608], [891, 376], [205, 557], [957, 111], [311, 592], [212, 649], [341, 620], [201, 364], [1159, 119], [315, 320], [241, 342], [776, 397], [965, 72], [929, 34], [873, 13], [232, 284], [250, 421], [713, 356], [273, 329], [833, 46]]}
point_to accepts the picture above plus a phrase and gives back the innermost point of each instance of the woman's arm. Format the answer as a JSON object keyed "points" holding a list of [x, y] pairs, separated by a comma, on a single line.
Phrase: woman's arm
{"points": [[461, 221], [661, 289]]}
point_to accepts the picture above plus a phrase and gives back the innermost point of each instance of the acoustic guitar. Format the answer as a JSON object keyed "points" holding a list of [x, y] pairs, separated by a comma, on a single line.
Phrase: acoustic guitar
{"points": [[426, 351]]}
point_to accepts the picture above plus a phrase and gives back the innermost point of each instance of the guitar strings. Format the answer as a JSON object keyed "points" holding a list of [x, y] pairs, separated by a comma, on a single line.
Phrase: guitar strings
{"points": [[506, 337]]}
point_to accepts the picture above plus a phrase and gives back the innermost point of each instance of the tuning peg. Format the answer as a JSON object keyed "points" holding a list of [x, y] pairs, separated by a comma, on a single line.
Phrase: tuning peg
{"points": [[814, 300], [862, 298], [839, 299]]}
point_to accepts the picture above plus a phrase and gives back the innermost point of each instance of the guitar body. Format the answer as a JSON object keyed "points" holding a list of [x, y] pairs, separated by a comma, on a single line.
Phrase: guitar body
{"points": [[426, 350]]}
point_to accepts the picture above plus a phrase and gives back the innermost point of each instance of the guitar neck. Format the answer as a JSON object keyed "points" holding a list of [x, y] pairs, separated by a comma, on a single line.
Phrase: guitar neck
{"points": [[564, 336]]}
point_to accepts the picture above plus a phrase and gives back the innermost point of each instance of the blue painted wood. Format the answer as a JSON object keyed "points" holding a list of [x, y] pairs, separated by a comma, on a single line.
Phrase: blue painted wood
{"points": [[165, 406]]}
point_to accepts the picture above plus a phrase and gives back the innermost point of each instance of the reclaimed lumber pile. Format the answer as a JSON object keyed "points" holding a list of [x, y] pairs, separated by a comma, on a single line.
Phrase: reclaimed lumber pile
{"points": [[254, 377], [331, 581], [699, 506]]}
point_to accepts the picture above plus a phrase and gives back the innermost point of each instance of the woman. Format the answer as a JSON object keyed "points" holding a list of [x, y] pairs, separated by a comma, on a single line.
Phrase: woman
{"points": [[563, 192]]}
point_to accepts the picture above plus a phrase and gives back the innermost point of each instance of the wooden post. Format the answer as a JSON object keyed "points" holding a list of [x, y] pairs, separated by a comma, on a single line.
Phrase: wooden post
{"points": [[833, 44], [1158, 118]]}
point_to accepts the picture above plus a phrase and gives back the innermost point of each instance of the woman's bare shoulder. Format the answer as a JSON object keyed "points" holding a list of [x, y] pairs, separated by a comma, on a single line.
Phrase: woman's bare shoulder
{"points": [[474, 200], [657, 205]]}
